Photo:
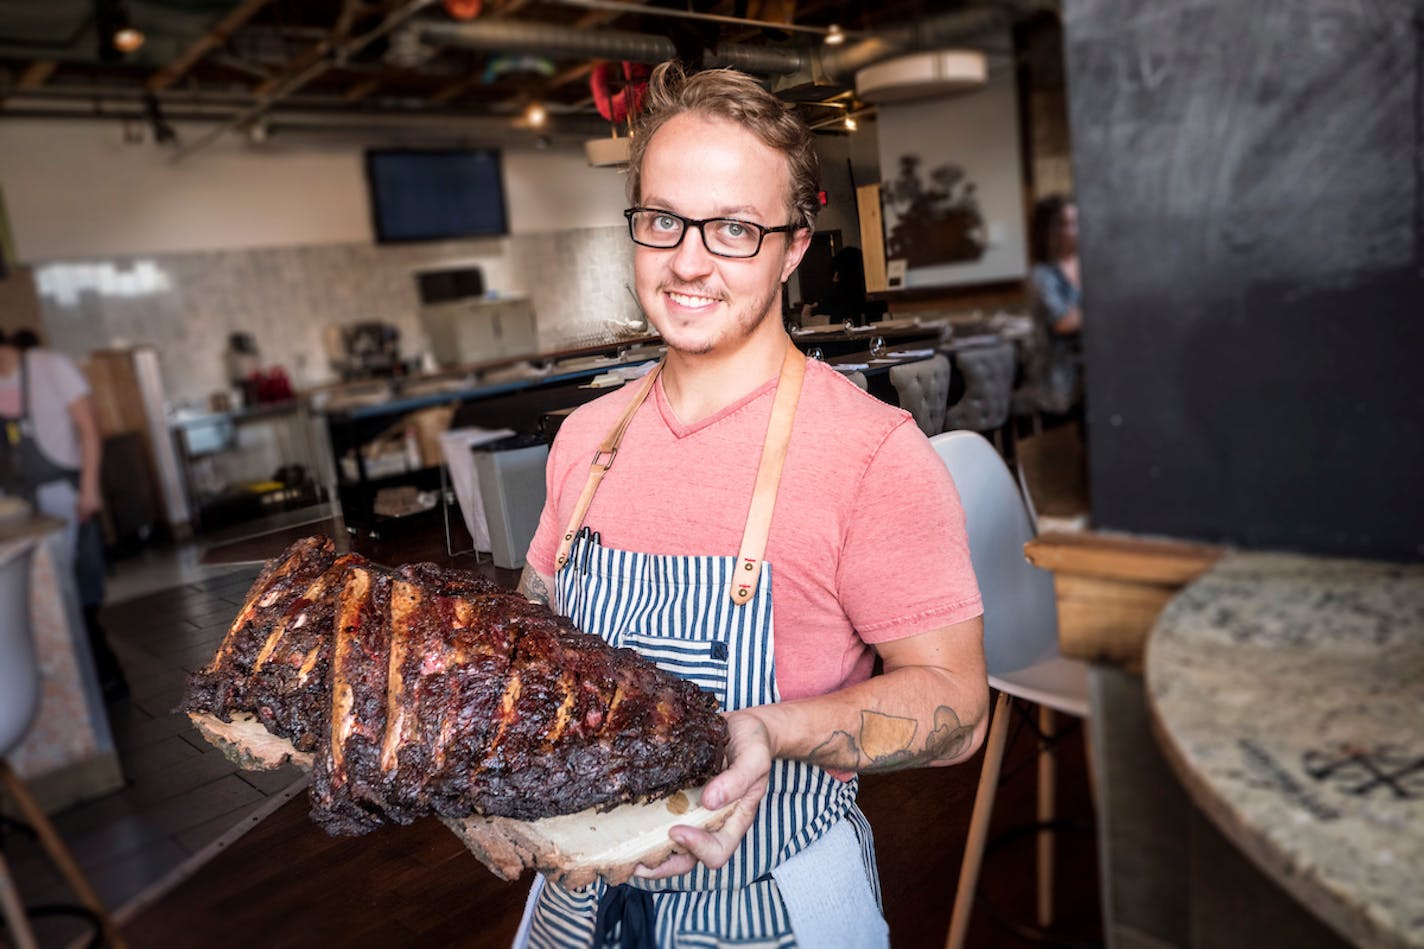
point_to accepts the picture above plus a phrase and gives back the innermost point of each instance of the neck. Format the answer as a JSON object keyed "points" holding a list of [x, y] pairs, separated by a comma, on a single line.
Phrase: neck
{"points": [[699, 385]]}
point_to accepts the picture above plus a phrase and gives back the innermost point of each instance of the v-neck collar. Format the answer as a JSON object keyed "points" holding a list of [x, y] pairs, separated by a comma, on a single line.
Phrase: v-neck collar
{"points": [[680, 430]]}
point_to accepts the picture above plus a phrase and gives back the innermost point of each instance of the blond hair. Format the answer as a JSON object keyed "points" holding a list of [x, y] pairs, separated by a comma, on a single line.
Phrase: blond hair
{"points": [[736, 97]]}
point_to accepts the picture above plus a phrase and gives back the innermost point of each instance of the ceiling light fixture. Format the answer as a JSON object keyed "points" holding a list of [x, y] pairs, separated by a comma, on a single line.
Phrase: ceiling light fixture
{"points": [[850, 123], [835, 36], [117, 34], [127, 39], [536, 115], [924, 75]]}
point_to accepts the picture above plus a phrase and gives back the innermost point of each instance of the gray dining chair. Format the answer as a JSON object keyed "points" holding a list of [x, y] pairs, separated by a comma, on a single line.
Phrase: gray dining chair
{"points": [[1020, 650], [922, 388], [988, 376], [859, 379], [19, 702]]}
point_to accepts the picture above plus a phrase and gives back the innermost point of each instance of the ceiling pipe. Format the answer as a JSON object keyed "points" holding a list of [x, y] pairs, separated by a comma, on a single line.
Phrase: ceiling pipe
{"points": [[562, 42], [442, 126], [837, 64], [929, 33], [291, 83]]}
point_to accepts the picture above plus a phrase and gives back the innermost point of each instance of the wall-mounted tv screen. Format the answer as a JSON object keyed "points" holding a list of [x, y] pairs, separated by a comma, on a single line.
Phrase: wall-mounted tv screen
{"points": [[426, 195]]}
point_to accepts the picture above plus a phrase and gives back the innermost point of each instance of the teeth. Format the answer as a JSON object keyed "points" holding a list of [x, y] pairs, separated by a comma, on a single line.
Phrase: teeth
{"points": [[683, 299]]}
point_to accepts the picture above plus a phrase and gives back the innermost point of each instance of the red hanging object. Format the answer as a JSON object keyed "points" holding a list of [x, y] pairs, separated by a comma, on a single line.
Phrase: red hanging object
{"points": [[463, 9], [617, 107]]}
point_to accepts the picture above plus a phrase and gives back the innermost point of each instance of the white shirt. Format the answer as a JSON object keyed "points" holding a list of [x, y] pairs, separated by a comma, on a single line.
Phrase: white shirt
{"points": [[55, 382]]}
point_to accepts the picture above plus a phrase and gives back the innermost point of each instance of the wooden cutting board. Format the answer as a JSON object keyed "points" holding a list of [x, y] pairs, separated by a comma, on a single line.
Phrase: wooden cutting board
{"points": [[573, 849]]}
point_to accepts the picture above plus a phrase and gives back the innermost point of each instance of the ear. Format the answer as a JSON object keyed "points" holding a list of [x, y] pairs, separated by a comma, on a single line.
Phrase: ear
{"points": [[795, 250]]}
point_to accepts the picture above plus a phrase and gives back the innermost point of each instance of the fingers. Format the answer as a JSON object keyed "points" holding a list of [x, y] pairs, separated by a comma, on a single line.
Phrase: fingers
{"points": [[748, 762], [675, 865]]}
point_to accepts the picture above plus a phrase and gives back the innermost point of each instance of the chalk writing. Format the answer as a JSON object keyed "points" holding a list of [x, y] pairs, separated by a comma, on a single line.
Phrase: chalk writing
{"points": [[1361, 771], [1264, 764]]}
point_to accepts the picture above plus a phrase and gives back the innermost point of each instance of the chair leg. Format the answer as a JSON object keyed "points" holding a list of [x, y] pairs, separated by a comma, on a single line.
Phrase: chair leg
{"points": [[979, 824], [59, 853], [1047, 774], [13, 911]]}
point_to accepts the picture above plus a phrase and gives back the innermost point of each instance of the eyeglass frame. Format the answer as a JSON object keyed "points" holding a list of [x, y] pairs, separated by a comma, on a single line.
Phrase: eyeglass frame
{"points": [[689, 223]]}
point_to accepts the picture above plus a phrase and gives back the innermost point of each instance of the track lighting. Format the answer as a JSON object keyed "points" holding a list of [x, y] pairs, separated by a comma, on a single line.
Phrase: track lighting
{"points": [[835, 36]]}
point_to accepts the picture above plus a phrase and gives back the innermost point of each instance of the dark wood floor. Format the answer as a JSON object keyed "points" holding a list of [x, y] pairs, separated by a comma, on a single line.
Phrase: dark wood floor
{"points": [[285, 883]]}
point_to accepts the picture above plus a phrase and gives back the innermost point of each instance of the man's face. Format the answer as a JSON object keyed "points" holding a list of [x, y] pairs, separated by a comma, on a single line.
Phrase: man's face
{"points": [[704, 168]]}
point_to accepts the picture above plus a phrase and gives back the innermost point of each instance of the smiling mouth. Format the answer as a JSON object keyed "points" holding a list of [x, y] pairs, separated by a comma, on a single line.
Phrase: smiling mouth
{"points": [[691, 301]]}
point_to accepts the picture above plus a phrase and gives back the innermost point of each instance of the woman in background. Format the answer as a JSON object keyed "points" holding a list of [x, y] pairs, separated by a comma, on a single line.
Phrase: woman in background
{"points": [[1057, 293], [50, 453]]}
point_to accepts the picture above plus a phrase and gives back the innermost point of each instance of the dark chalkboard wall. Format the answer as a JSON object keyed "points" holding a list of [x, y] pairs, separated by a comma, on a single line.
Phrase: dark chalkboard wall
{"points": [[1252, 242]]}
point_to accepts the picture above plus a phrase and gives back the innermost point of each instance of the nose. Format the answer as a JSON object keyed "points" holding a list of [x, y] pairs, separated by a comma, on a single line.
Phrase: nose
{"points": [[691, 259]]}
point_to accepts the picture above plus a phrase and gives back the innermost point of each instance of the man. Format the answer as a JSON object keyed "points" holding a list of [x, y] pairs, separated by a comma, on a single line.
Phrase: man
{"points": [[673, 552], [50, 456]]}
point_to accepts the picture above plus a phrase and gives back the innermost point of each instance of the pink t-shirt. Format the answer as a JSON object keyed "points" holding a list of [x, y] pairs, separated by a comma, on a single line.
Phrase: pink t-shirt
{"points": [[867, 542]]}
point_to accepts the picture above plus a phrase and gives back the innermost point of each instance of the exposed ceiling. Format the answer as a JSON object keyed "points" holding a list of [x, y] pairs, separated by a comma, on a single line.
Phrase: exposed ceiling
{"points": [[263, 67]]}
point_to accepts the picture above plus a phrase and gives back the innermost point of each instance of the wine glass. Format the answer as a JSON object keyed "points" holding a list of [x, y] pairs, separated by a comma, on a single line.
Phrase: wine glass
{"points": [[815, 353], [877, 347]]}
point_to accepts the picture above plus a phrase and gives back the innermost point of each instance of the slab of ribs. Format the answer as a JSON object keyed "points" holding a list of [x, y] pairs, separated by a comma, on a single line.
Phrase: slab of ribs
{"points": [[426, 690]]}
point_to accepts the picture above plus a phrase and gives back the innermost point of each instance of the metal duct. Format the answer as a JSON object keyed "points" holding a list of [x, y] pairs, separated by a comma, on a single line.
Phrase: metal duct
{"points": [[513, 36], [921, 35]]}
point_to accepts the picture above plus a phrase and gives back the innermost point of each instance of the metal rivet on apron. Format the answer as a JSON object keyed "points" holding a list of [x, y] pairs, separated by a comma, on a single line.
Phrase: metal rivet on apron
{"points": [[748, 565]]}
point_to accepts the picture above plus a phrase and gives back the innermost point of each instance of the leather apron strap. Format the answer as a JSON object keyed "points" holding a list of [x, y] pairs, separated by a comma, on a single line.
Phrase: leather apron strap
{"points": [[773, 458], [602, 461]]}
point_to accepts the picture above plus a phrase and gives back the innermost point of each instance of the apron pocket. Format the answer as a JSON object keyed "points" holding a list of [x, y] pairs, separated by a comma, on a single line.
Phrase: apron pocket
{"points": [[702, 662]]}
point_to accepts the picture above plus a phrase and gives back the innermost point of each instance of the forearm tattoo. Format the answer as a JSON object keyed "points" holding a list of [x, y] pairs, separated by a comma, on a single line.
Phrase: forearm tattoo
{"points": [[887, 742], [532, 587]]}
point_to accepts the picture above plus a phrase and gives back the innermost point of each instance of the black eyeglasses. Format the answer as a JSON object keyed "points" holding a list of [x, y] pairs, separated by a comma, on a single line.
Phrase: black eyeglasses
{"points": [[722, 236]]}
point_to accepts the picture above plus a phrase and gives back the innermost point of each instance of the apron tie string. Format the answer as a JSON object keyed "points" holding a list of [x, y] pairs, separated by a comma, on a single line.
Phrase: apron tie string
{"points": [[630, 911]]}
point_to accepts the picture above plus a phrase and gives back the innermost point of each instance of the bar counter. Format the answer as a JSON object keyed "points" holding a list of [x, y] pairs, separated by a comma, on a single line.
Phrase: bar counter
{"points": [[1287, 693]]}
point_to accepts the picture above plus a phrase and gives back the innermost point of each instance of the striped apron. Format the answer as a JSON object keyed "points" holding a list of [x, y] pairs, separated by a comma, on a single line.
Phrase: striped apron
{"points": [[804, 874]]}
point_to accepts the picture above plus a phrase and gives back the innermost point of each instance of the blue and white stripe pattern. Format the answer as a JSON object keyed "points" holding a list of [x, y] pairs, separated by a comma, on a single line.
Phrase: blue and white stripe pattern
{"points": [[676, 612]]}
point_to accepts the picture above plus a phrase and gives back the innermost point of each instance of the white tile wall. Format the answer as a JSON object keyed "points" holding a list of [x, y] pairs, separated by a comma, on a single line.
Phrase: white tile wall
{"points": [[186, 305]]}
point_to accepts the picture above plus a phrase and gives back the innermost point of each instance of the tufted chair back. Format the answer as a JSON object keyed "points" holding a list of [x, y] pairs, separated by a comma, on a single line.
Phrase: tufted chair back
{"points": [[988, 374], [859, 379], [923, 390]]}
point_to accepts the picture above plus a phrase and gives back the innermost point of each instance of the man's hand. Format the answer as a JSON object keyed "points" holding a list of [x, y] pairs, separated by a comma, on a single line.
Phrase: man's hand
{"points": [[744, 781]]}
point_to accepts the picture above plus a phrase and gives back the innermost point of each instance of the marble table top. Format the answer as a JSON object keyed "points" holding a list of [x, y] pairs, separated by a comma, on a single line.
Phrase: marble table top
{"points": [[1288, 694]]}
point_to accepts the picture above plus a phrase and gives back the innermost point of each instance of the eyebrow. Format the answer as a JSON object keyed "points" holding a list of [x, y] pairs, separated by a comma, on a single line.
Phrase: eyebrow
{"points": [[735, 211]]}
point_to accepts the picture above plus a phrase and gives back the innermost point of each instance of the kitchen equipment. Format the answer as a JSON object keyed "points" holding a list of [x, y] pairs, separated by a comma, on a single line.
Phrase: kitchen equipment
{"points": [[365, 350]]}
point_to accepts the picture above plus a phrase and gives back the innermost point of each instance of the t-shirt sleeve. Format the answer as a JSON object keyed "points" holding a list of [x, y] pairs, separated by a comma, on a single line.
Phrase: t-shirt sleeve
{"points": [[905, 567], [62, 377]]}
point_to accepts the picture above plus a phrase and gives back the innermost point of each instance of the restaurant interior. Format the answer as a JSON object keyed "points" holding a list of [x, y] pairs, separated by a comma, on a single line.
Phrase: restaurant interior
{"points": [[344, 267]]}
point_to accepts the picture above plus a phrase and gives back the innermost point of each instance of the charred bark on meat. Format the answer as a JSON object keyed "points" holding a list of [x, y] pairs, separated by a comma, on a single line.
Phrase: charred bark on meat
{"points": [[428, 690]]}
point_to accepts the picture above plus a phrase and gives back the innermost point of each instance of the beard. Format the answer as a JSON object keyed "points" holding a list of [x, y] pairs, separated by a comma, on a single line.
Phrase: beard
{"points": [[693, 337]]}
